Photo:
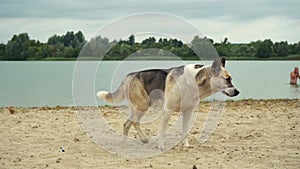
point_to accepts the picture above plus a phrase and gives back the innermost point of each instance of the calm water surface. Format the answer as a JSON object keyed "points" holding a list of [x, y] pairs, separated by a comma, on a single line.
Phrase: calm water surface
{"points": [[28, 84]]}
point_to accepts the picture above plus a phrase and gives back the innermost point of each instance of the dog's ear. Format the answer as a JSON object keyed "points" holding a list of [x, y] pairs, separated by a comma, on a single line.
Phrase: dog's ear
{"points": [[223, 61], [216, 66], [201, 77]]}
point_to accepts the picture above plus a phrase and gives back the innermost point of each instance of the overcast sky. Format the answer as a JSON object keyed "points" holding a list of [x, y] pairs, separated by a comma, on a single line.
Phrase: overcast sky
{"points": [[240, 21]]}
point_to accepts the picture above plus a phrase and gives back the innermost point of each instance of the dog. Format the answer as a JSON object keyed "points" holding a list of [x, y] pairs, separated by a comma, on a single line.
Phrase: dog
{"points": [[178, 89]]}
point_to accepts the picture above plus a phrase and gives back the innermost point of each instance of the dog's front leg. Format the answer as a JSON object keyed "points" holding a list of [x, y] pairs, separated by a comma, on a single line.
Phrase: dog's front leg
{"points": [[186, 123], [162, 131], [186, 142]]}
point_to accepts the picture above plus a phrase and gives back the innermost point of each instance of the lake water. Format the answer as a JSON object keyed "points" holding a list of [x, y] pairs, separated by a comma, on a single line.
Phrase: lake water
{"points": [[28, 84]]}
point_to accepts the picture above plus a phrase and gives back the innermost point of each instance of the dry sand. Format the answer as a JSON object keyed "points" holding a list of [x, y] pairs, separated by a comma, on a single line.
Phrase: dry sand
{"points": [[251, 134]]}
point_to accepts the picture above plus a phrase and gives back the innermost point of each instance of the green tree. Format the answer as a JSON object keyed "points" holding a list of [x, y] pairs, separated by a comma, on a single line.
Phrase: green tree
{"points": [[264, 49], [163, 42], [2, 51], [296, 49], [281, 48], [149, 42], [54, 40], [68, 45], [243, 50], [69, 52], [80, 37], [203, 47], [68, 38], [16, 47], [114, 51], [224, 48], [225, 41], [30, 44], [125, 50], [176, 43], [187, 52], [33, 53], [131, 40]]}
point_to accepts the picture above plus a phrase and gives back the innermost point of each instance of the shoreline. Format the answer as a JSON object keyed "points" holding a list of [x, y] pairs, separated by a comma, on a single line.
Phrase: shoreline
{"points": [[117, 105]]}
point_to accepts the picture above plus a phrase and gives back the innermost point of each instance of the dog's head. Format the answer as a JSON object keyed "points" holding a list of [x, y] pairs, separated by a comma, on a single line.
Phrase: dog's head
{"points": [[217, 79], [220, 80]]}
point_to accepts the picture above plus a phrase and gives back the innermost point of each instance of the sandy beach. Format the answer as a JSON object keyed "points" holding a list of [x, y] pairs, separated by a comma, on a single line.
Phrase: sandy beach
{"points": [[250, 134]]}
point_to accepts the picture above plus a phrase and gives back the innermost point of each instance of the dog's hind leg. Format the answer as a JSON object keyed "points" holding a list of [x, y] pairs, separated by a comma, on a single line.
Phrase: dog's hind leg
{"points": [[128, 124], [140, 102], [134, 119], [136, 124]]}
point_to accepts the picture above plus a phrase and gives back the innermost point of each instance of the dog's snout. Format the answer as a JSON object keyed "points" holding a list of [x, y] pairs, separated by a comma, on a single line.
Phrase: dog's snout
{"points": [[231, 92], [236, 92]]}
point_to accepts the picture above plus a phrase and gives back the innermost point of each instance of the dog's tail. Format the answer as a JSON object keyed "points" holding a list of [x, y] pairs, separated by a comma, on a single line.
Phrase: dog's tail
{"points": [[115, 97]]}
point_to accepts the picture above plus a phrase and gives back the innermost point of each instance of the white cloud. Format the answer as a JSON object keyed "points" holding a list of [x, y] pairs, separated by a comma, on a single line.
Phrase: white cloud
{"points": [[240, 21], [276, 28]]}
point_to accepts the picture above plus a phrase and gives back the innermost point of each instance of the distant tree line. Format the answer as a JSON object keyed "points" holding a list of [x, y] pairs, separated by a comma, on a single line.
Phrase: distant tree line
{"points": [[259, 49], [21, 47]]}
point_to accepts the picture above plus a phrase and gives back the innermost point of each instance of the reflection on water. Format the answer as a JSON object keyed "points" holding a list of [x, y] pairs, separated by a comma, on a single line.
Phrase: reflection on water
{"points": [[295, 91]]}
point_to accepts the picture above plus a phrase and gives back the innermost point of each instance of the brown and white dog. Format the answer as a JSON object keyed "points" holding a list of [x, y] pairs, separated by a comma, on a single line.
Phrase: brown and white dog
{"points": [[180, 89]]}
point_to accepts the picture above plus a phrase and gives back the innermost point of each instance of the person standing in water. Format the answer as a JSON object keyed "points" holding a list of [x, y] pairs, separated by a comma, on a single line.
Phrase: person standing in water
{"points": [[294, 75]]}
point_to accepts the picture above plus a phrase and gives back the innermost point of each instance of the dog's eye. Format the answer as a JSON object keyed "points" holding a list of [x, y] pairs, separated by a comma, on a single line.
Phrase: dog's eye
{"points": [[228, 79]]}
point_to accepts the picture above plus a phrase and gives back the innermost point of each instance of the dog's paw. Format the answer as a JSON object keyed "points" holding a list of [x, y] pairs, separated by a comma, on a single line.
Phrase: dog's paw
{"points": [[186, 142], [145, 140], [160, 145], [124, 139]]}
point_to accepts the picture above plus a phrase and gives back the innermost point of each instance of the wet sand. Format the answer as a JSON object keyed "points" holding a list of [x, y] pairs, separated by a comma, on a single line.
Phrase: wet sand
{"points": [[250, 134]]}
